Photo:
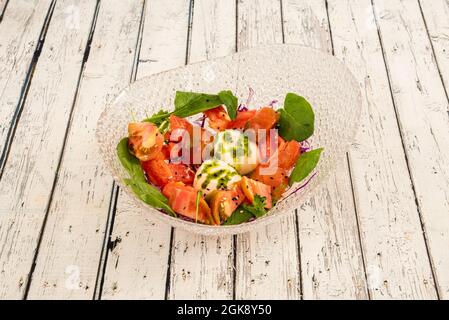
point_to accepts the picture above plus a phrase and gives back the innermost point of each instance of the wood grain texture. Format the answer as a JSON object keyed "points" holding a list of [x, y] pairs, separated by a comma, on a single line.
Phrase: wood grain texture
{"points": [[267, 263], [330, 253], [137, 261], [2, 6], [422, 108], [436, 15], [202, 267], [137, 266], [30, 171], [69, 255], [395, 253], [20, 30], [398, 165]]}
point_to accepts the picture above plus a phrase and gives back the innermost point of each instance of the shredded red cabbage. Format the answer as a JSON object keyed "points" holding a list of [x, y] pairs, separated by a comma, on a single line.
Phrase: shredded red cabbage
{"points": [[250, 96], [273, 103], [186, 218], [304, 146], [242, 107], [200, 121], [301, 187], [203, 121]]}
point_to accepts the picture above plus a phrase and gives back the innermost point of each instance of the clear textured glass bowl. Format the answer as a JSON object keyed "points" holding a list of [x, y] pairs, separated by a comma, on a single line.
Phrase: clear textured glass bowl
{"points": [[272, 72]]}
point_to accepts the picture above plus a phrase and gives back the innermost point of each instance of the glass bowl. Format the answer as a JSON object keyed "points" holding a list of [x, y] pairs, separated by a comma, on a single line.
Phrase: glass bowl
{"points": [[272, 72]]}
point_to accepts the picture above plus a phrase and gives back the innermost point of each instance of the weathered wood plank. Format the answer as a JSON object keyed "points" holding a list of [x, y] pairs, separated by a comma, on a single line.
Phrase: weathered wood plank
{"points": [[422, 108], [267, 263], [68, 259], [394, 248], [2, 7], [436, 15], [330, 253], [305, 23], [31, 167], [20, 30], [137, 266], [202, 267]]}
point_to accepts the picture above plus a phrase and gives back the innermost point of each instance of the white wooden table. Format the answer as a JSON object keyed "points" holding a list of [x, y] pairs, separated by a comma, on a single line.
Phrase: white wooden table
{"points": [[378, 230]]}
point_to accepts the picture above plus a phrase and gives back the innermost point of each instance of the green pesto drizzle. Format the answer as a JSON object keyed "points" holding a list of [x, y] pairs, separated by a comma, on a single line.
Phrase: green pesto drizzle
{"points": [[223, 176]]}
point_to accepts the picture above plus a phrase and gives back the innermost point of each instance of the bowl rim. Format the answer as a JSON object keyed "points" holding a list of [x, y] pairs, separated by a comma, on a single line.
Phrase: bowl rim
{"points": [[204, 229]]}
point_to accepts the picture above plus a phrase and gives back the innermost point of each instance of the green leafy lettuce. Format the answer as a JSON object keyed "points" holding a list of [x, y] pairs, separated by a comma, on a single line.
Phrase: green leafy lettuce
{"points": [[245, 212], [190, 103], [230, 101], [297, 118], [305, 165], [137, 182]]}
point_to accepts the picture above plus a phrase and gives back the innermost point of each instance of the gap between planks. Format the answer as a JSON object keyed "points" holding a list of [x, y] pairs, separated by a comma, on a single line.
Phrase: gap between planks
{"points": [[430, 185], [234, 252], [25, 87], [107, 242], [437, 63], [3, 6], [407, 161], [85, 56], [62, 214]]}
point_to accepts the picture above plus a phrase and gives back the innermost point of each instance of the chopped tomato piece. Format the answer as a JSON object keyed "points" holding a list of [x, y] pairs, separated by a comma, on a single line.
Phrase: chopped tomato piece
{"points": [[180, 123], [218, 118], [177, 127], [167, 135], [145, 140], [273, 179], [199, 139], [165, 151], [170, 188], [288, 154], [223, 203], [160, 155], [265, 148], [252, 187], [182, 172], [182, 199], [168, 151], [265, 118], [197, 151], [158, 172], [241, 119]]}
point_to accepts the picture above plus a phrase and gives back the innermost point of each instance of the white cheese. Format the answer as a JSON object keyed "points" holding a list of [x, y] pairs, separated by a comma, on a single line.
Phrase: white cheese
{"points": [[213, 175], [236, 149]]}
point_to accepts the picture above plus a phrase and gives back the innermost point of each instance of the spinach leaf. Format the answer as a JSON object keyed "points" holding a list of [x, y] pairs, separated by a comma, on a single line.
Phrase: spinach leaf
{"points": [[297, 118], [230, 101], [158, 118], [305, 165], [130, 162], [245, 212], [190, 103], [137, 182], [183, 97], [150, 195], [257, 208], [240, 215]]}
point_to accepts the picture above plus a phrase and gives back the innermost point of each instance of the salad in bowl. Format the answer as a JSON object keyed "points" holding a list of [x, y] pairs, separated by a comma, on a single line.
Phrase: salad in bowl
{"points": [[221, 163], [228, 166]]}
